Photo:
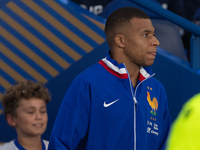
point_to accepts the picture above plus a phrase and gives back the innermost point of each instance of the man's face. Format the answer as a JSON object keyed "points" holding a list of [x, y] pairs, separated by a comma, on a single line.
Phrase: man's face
{"points": [[31, 119], [140, 42]]}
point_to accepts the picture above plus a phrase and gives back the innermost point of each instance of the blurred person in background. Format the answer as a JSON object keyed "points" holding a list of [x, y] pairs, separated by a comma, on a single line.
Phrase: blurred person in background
{"points": [[185, 131]]}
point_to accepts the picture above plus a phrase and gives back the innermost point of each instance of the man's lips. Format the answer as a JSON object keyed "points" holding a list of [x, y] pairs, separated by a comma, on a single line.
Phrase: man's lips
{"points": [[152, 53]]}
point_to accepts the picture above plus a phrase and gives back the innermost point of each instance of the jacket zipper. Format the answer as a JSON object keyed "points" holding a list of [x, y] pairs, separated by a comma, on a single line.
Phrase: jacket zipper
{"points": [[135, 105], [135, 101]]}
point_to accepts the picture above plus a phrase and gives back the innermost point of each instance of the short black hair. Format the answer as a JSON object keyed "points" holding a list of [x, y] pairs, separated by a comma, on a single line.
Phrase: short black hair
{"points": [[121, 17]]}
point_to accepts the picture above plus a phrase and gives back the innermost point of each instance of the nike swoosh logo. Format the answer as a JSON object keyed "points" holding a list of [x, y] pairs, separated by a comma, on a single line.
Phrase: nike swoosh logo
{"points": [[107, 105]]}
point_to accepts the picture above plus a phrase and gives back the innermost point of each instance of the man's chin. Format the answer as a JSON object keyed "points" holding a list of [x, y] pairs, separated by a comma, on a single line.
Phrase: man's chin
{"points": [[149, 63]]}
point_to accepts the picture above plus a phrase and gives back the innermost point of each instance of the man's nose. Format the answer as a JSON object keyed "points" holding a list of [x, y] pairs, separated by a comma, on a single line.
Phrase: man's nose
{"points": [[155, 42]]}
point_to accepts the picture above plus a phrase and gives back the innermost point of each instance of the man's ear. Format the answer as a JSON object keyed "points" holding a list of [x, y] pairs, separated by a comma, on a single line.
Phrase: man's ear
{"points": [[11, 120], [119, 40]]}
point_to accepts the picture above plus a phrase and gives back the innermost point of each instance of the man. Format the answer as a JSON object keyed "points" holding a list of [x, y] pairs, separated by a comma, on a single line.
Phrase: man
{"points": [[117, 104], [25, 109]]}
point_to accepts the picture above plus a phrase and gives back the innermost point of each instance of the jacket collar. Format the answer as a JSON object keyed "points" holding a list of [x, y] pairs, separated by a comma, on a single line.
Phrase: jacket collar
{"points": [[120, 71]]}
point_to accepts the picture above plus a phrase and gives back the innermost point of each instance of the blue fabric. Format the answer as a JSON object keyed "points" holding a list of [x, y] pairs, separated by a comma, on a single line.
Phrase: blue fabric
{"points": [[85, 122]]}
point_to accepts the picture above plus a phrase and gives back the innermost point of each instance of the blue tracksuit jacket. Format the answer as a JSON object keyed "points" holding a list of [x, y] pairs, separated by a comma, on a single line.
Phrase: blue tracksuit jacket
{"points": [[103, 111]]}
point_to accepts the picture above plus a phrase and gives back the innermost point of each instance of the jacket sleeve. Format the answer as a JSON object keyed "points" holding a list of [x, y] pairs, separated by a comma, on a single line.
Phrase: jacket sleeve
{"points": [[71, 123], [166, 123]]}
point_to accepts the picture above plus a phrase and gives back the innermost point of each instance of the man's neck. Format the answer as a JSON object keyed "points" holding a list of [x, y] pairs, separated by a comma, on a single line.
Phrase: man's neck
{"points": [[133, 73]]}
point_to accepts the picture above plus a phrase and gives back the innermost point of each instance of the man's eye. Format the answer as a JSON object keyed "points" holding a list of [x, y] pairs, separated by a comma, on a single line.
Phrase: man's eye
{"points": [[145, 35]]}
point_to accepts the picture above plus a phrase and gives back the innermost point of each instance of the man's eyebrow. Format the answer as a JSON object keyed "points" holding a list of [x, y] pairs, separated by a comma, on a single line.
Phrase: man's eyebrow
{"points": [[148, 31]]}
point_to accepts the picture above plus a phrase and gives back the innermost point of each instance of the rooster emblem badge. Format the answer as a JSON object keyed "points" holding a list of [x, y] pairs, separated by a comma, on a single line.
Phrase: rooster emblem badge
{"points": [[153, 103]]}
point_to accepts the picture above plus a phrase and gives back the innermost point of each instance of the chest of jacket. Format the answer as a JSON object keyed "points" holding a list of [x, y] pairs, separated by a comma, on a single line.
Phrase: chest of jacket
{"points": [[112, 111]]}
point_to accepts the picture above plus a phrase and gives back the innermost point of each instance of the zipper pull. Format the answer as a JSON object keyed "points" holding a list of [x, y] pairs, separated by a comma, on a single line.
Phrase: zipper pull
{"points": [[136, 103]]}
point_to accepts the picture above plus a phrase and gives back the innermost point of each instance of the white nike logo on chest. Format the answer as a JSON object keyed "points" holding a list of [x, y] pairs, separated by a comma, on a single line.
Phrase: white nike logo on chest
{"points": [[107, 105]]}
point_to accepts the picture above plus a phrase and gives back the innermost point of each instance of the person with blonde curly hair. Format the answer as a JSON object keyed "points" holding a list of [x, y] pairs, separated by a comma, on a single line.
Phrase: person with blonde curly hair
{"points": [[25, 109]]}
